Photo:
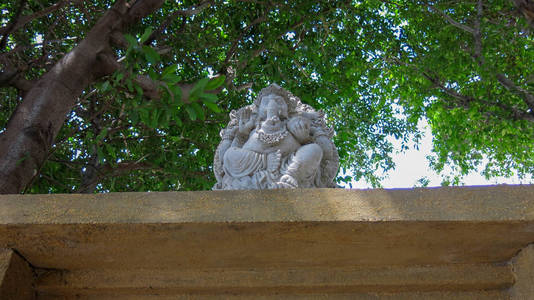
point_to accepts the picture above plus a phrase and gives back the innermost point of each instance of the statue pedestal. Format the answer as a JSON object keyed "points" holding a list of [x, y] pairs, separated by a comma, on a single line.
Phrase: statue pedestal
{"points": [[441, 243]]}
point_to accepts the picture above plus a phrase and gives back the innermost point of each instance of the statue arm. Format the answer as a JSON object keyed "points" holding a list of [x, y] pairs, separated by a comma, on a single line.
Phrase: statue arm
{"points": [[240, 140], [246, 122], [330, 160], [321, 139], [228, 136], [299, 127]]}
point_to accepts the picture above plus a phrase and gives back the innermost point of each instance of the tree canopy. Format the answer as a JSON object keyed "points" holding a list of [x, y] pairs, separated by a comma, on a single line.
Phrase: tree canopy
{"points": [[130, 96]]}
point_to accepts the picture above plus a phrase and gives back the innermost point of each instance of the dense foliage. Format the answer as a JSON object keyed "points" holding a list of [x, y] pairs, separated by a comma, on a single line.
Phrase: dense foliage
{"points": [[375, 67]]}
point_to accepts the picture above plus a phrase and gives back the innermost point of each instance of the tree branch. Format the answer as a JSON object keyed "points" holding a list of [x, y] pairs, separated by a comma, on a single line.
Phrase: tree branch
{"points": [[33, 127], [4, 31], [20, 22], [195, 10], [477, 35], [466, 101], [479, 57], [233, 48], [106, 170], [474, 31], [526, 8], [263, 47], [54, 181], [452, 21], [151, 88], [459, 97], [526, 95], [184, 13], [12, 77]]}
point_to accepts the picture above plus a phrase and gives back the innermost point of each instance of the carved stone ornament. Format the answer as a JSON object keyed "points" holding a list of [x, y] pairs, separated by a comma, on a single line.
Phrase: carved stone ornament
{"points": [[276, 142]]}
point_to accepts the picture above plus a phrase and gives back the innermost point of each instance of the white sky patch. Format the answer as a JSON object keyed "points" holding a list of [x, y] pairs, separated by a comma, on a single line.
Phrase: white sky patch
{"points": [[211, 72], [4, 21], [290, 35], [39, 38], [412, 165]]}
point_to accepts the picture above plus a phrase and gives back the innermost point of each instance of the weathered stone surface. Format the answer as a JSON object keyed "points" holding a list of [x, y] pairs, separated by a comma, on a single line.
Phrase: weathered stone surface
{"points": [[282, 227], [523, 268], [16, 277], [442, 295], [386, 279], [444, 243], [276, 142], [465, 204]]}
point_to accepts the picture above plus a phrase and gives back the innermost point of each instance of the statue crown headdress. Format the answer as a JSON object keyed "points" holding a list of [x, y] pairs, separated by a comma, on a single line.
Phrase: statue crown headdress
{"points": [[293, 102]]}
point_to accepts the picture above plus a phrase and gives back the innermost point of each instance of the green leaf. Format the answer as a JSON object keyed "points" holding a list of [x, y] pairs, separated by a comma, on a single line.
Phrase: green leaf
{"points": [[154, 118], [191, 112], [151, 55], [144, 115], [213, 107], [100, 154], [146, 34], [134, 116], [177, 93], [130, 39], [129, 84], [163, 119], [169, 70], [171, 78], [199, 110], [102, 134], [110, 150], [105, 86], [138, 89], [212, 98], [119, 77], [198, 89], [152, 74], [215, 82]]}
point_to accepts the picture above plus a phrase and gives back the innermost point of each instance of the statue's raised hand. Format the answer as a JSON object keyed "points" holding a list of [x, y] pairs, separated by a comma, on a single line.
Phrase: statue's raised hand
{"points": [[246, 121]]}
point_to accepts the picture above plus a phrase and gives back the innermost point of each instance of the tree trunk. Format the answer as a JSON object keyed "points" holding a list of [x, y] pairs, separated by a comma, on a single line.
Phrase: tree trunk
{"points": [[32, 128], [526, 7]]}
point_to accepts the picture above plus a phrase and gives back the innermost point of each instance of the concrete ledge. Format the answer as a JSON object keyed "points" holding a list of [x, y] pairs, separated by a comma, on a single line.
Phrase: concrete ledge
{"points": [[473, 204], [523, 267], [449, 243], [269, 281], [16, 277], [445, 295]]}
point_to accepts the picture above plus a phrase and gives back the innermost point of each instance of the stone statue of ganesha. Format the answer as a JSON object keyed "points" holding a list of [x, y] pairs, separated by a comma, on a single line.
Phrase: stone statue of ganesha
{"points": [[277, 142]]}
